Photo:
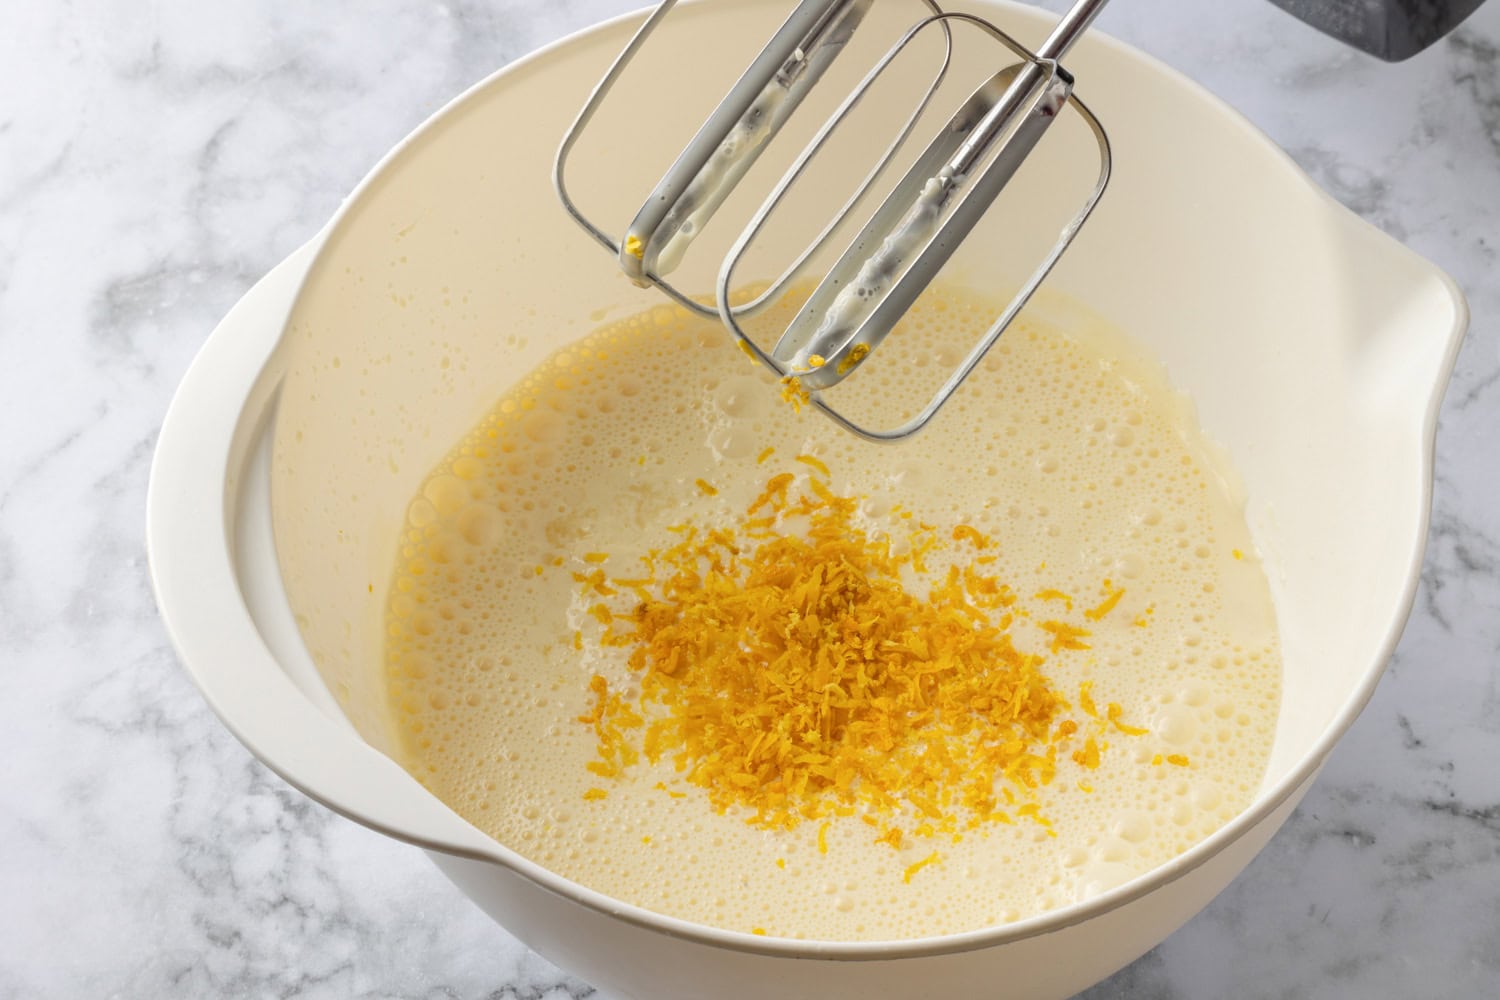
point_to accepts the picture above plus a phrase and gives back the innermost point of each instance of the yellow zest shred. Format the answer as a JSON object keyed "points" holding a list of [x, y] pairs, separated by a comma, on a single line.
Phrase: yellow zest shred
{"points": [[1177, 760], [1237, 553], [1055, 595], [816, 361], [594, 794], [1086, 699], [1107, 605], [1089, 756], [781, 863], [635, 246], [785, 669], [595, 557], [911, 870], [967, 533], [1115, 712], [1065, 636], [794, 392], [594, 582], [661, 786], [815, 463], [609, 716], [761, 458], [709, 489], [758, 930], [1157, 760], [854, 357]]}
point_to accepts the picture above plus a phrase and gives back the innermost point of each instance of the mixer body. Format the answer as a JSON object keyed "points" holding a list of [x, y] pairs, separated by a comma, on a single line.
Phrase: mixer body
{"points": [[1391, 29]]}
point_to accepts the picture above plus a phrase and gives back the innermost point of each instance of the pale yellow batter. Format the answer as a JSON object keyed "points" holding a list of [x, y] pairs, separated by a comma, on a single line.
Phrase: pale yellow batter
{"points": [[1082, 466]]}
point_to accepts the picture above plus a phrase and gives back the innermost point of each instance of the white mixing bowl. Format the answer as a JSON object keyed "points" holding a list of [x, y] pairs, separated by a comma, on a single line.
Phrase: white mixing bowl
{"points": [[1315, 348]]}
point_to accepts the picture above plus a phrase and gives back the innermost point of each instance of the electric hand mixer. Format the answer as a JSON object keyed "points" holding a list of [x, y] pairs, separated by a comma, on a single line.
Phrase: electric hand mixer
{"points": [[929, 212]]}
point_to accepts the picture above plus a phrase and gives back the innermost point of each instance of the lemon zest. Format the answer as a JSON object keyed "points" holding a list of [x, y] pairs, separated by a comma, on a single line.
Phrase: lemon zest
{"points": [[794, 392], [912, 869], [815, 463], [1115, 712], [782, 665], [856, 354], [1107, 605]]}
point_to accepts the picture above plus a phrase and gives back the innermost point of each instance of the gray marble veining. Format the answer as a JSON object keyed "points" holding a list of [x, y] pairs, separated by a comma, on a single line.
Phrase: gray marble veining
{"points": [[156, 158]]}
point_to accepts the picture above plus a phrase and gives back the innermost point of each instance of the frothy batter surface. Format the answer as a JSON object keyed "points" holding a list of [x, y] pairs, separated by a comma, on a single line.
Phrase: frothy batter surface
{"points": [[1082, 472]]}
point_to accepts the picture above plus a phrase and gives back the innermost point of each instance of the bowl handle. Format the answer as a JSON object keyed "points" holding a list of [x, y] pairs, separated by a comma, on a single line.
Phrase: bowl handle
{"points": [[196, 478]]}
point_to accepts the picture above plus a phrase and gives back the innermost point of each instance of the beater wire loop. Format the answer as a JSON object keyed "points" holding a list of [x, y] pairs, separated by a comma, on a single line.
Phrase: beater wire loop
{"points": [[910, 236]]}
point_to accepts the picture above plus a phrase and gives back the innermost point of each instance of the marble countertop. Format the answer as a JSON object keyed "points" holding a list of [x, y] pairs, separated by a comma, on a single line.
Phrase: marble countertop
{"points": [[156, 158]]}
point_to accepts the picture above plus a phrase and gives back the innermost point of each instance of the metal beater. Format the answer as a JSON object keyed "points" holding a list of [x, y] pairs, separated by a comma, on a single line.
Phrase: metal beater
{"points": [[907, 240]]}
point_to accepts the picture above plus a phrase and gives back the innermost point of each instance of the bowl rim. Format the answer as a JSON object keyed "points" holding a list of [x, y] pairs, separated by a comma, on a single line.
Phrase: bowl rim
{"points": [[461, 840]]}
